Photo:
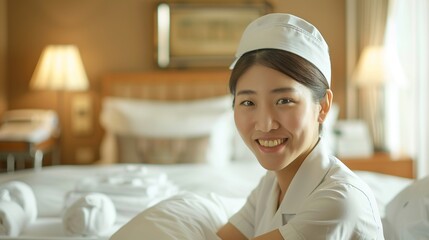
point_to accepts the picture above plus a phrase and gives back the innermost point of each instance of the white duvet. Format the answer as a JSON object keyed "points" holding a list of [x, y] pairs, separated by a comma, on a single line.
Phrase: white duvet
{"points": [[215, 192]]}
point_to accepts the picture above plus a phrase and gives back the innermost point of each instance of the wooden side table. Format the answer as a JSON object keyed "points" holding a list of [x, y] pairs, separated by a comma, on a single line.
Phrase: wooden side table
{"points": [[17, 152], [381, 162]]}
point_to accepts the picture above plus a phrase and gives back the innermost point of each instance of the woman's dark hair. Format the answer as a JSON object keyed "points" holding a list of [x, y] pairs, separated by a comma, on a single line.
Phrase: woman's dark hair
{"points": [[285, 62]]}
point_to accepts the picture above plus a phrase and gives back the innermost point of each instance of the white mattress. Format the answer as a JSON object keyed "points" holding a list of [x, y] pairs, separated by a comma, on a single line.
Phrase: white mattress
{"points": [[234, 180]]}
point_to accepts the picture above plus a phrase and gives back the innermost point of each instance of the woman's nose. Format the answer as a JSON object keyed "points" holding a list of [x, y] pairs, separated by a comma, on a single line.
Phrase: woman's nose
{"points": [[266, 120]]}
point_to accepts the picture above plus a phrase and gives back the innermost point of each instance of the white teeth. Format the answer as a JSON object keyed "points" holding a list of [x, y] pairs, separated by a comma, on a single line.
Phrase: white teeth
{"points": [[271, 143]]}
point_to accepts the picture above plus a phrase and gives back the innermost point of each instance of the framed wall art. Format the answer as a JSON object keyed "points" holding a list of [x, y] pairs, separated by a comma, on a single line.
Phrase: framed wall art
{"points": [[201, 35]]}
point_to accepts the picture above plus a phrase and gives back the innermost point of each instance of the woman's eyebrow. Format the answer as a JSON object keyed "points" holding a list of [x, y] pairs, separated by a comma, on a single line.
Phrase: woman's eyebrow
{"points": [[283, 90], [246, 92], [276, 90]]}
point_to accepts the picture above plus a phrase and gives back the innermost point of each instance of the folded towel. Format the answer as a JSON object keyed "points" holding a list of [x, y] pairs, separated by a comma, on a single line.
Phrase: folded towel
{"points": [[23, 195], [12, 216], [90, 215], [137, 182], [127, 206]]}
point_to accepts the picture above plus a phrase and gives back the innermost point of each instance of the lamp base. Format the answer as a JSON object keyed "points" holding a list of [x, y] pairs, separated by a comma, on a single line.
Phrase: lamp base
{"points": [[372, 111]]}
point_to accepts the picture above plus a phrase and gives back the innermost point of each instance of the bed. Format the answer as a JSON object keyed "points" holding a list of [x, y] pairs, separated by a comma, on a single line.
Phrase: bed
{"points": [[156, 172]]}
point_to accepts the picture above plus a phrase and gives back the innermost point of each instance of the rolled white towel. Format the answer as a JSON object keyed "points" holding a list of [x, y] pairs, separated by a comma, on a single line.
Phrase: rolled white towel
{"points": [[90, 215], [23, 195], [12, 216]]}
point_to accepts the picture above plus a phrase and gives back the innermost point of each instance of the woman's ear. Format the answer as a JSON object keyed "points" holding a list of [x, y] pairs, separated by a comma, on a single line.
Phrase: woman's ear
{"points": [[325, 105]]}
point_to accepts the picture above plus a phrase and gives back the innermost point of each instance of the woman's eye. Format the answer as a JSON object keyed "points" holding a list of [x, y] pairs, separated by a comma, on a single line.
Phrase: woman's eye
{"points": [[284, 101], [246, 103]]}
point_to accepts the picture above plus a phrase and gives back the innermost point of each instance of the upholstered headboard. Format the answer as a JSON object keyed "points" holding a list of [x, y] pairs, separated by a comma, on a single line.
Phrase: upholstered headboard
{"points": [[167, 85], [169, 116]]}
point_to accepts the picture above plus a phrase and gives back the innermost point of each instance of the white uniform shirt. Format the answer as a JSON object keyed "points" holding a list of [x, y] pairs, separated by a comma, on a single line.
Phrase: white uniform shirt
{"points": [[407, 214], [325, 200]]}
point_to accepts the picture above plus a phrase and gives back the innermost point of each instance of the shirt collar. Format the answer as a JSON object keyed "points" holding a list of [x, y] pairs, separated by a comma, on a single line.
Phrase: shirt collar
{"points": [[309, 175]]}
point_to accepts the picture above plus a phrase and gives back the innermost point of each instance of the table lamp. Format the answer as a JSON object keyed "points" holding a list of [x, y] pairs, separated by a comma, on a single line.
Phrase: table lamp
{"points": [[60, 69], [377, 69]]}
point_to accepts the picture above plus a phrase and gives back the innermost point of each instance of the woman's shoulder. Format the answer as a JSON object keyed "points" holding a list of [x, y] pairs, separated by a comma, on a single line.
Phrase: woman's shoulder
{"points": [[341, 178]]}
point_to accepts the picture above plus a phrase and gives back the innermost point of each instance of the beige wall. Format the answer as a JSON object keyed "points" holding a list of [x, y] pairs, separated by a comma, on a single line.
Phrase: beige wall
{"points": [[3, 51], [117, 36], [111, 35]]}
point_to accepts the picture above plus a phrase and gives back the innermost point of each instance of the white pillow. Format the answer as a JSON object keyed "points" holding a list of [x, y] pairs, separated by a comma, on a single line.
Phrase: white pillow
{"points": [[220, 150], [163, 119], [408, 212], [241, 152], [185, 216]]}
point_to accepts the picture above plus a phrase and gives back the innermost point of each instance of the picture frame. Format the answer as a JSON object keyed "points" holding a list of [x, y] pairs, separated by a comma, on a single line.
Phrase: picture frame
{"points": [[201, 35]]}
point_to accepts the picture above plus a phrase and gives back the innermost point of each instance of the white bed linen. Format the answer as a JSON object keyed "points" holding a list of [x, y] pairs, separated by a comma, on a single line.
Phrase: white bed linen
{"points": [[234, 180]]}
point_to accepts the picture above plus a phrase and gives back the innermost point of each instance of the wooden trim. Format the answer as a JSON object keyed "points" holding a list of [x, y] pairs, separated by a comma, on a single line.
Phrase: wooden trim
{"points": [[401, 166], [14, 146], [169, 85], [27, 147]]}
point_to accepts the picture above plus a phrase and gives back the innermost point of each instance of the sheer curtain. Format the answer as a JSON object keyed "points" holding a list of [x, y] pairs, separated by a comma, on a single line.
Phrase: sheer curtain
{"points": [[369, 98], [372, 18], [408, 34], [366, 24], [405, 31]]}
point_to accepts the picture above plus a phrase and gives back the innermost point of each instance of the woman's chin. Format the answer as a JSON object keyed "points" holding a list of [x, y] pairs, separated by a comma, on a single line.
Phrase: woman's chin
{"points": [[272, 164]]}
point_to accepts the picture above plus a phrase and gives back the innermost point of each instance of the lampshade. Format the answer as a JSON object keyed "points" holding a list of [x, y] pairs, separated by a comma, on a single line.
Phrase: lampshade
{"points": [[59, 68], [377, 66]]}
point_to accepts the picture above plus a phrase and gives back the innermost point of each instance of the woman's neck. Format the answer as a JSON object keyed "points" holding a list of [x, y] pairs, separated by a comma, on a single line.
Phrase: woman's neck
{"points": [[286, 175]]}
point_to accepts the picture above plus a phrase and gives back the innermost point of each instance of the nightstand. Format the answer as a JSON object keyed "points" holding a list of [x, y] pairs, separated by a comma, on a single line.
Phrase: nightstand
{"points": [[381, 162]]}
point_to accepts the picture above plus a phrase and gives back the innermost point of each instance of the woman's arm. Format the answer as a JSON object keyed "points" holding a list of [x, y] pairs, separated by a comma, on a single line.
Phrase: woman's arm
{"points": [[230, 232], [273, 235]]}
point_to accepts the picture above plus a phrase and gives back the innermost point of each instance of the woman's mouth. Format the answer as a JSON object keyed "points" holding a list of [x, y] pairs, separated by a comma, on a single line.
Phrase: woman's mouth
{"points": [[272, 142]]}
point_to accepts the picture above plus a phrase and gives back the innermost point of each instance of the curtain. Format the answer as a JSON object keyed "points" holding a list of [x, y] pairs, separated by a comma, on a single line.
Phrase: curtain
{"points": [[365, 26], [403, 26], [408, 33], [371, 18]]}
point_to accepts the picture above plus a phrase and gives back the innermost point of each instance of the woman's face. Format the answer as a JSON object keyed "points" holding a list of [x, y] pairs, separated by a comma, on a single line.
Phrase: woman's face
{"points": [[276, 117]]}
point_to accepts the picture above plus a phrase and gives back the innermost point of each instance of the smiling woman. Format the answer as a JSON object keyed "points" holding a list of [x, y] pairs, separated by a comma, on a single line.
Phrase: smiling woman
{"points": [[276, 116], [281, 86]]}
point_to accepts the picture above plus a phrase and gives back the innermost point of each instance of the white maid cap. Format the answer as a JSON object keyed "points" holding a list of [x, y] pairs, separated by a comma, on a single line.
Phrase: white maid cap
{"points": [[289, 33]]}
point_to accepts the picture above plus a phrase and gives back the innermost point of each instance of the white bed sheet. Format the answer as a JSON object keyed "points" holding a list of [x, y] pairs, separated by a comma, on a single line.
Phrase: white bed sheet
{"points": [[235, 180]]}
